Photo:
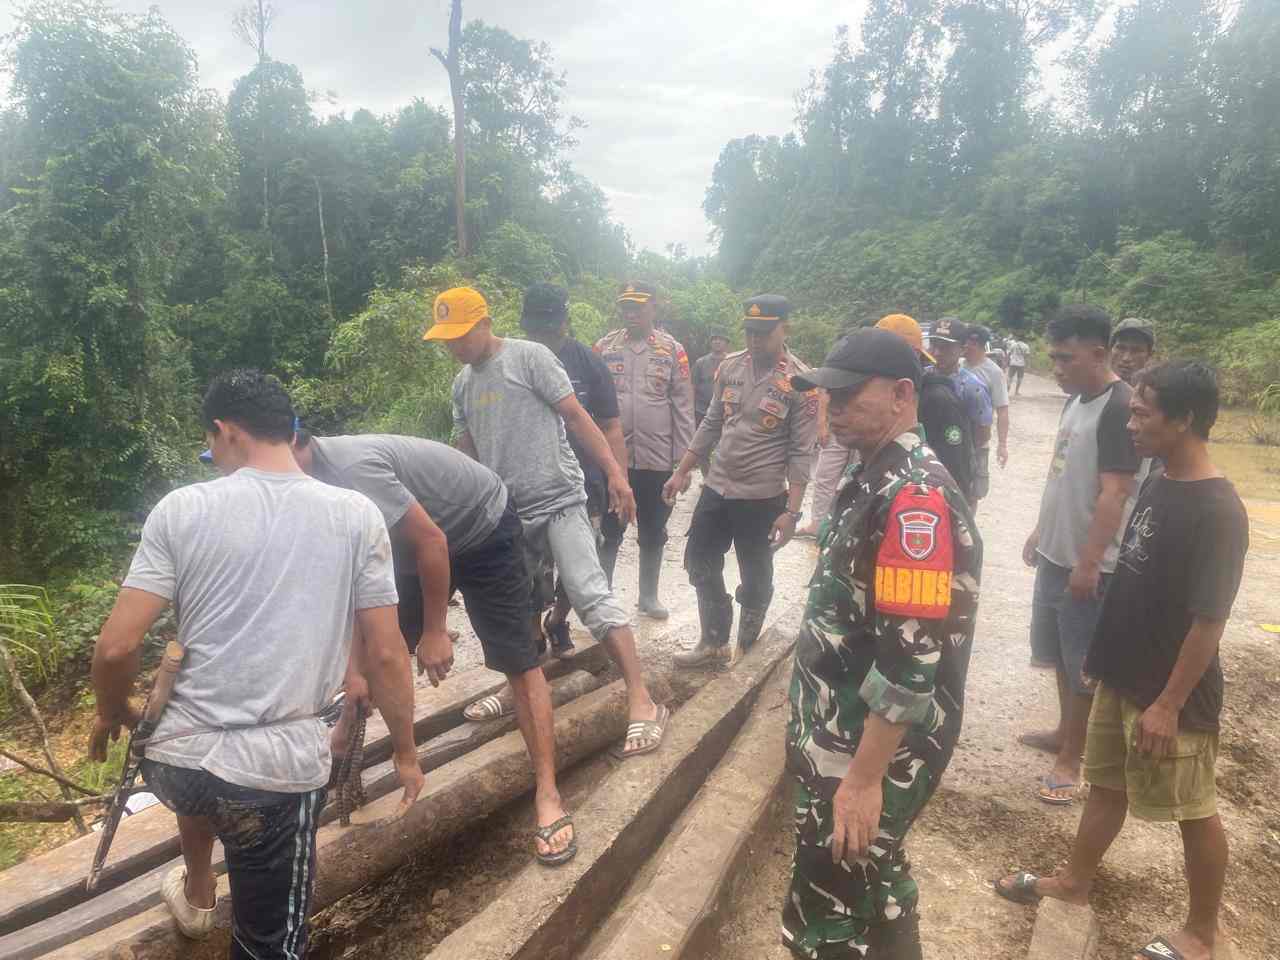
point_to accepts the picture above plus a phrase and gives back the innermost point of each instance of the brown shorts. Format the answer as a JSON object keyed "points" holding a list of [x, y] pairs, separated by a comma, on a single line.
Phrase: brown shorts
{"points": [[1179, 787]]}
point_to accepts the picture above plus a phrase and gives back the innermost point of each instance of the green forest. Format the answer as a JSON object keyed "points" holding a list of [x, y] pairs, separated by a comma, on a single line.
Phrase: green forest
{"points": [[154, 232]]}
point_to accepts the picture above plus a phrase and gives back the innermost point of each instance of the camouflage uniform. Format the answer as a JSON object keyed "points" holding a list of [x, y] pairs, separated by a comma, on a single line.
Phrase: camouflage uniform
{"points": [[853, 659]]}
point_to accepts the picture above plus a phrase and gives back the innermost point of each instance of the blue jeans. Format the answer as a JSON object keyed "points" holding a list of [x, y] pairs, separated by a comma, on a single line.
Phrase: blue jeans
{"points": [[1061, 626]]}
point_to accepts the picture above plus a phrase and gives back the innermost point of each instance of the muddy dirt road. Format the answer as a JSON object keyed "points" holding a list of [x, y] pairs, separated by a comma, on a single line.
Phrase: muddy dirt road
{"points": [[984, 821]]}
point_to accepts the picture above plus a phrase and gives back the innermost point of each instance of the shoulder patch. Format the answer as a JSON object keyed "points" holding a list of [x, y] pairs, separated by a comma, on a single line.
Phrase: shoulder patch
{"points": [[916, 557], [952, 435]]}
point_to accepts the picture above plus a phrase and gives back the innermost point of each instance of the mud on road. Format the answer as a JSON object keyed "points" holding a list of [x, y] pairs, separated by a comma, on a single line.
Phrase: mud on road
{"points": [[984, 821]]}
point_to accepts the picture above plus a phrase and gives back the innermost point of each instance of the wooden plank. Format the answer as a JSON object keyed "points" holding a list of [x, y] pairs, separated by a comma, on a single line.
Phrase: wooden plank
{"points": [[549, 915], [54, 882], [349, 857], [126, 900], [685, 889]]}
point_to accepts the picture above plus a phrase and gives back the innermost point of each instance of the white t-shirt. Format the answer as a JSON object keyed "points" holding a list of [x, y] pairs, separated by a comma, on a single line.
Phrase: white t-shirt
{"points": [[1018, 353], [266, 572]]}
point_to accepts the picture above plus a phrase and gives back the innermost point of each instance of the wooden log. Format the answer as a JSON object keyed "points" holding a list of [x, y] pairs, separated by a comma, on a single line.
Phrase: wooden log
{"points": [[113, 906], [45, 811], [54, 882], [350, 857]]}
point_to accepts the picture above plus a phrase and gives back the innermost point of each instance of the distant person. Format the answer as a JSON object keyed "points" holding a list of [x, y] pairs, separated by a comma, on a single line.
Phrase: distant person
{"points": [[704, 375], [946, 342], [1132, 346], [763, 433], [544, 317], [1019, 353], [977, 361], [877, 695], [947, 428], [268, 571], [1153, 730], [453, 526], [651, 373], [1077, 539], [512, 406], [829, 465]]}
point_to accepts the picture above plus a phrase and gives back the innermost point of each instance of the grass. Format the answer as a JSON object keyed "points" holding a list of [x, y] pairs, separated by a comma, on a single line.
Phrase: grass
{"points": [[1252, 467]]}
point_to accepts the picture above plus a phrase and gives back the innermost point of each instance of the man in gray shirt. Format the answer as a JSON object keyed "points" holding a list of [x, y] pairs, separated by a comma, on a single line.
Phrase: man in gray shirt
{"points": [[989, 372], [268, 570], [512, 403], [453, 527], [1086, 501]]}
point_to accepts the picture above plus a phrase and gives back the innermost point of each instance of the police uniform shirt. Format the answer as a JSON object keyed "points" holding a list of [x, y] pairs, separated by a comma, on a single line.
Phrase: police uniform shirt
{"points": [[762, 429], [655, 396]]}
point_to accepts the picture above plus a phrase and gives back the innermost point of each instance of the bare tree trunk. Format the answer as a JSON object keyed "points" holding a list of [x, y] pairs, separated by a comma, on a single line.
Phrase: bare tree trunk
{"points": [[324, 246], [452, 63], [12, 669]]}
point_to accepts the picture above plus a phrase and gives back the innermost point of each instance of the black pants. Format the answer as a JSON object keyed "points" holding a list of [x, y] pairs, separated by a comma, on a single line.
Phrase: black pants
{"points": [[652, 511], [745, 524], [270, 843]]}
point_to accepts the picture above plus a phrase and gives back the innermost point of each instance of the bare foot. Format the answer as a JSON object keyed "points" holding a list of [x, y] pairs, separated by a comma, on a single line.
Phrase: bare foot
{"points": [[550, 809], [202, 895], [1050, 741]]}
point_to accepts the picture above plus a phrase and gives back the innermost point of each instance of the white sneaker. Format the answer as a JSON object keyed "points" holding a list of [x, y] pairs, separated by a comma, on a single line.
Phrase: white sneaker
{"points": [[194, 922]]}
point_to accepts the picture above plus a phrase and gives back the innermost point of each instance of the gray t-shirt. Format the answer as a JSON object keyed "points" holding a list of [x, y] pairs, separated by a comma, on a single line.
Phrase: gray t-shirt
{"points": [[507, 405], [464, 498], [989, 372], [266, 572], [1092, 440]]}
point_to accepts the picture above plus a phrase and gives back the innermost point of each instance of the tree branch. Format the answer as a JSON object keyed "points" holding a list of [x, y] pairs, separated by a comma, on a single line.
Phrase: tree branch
{"points": [[439, 55], [46, 773], [47, 811]]}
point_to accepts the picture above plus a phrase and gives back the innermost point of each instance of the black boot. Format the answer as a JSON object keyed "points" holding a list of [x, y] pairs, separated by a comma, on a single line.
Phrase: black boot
{"points": [[749, 626], [896, 940], [716, 616], [608, 554], [650, 572]]}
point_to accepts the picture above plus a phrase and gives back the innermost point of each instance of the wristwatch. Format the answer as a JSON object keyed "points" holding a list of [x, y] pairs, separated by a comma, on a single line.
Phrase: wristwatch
{"points": [[796, 515]]}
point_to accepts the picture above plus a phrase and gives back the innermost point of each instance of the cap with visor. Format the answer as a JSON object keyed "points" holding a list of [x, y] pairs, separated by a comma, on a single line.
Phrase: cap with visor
{"points": [[861, 356], [907, 328], [545, 305], [456, 312], [761, 314], [1136, 326]]}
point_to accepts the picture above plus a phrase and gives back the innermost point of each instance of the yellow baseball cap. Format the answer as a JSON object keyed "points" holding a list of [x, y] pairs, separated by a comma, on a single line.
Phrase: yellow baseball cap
{"points": [[907, 328], [456, 312]]}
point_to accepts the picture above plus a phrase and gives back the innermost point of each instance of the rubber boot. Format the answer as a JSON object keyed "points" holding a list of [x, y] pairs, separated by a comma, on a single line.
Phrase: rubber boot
{"points": [[650, 572], [749, 626], [608, 554], [716, 617]]}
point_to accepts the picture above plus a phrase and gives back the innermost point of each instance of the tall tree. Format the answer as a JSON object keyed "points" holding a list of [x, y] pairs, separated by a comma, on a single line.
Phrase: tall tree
{"points": [[452, 62], [251, 24]]}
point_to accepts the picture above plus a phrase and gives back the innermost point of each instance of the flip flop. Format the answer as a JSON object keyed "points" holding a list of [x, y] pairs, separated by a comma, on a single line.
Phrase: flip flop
{"points": [[650, 730], [1046, 796], [546, 833], [486, 708], [1021, 890], [1160, 949]]}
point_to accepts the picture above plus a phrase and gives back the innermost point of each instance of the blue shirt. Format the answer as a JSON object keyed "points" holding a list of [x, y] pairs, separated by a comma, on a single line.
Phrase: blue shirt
{"points": [[974, 396]]}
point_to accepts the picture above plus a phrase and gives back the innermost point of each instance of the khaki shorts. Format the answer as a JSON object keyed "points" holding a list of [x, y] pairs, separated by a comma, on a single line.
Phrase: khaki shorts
{"points": [[1179, 787]]}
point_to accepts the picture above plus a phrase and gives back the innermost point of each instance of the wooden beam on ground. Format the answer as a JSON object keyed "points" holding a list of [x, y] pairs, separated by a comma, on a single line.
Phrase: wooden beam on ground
{"points": [[684, 892], [1063, 932], [548, 915], [350, 857], [113, 906]]}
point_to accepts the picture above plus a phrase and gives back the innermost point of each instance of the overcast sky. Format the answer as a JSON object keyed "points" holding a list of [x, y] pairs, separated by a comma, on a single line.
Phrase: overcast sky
{"points": [[662, 84]]}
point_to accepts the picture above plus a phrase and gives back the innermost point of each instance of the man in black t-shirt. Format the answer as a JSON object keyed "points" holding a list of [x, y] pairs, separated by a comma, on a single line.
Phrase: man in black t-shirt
{"points": [[1153, 729], [545, 318]]}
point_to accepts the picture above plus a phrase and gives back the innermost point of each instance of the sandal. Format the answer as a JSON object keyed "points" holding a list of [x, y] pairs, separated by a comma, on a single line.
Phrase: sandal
{"points": [[486, 708], [1045, 793], [1021, 889], [649, 730], [1160, 949], [558, 634], [546, 833]]}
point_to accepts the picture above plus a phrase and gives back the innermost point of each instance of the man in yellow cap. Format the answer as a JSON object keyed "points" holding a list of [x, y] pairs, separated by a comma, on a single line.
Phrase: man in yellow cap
{"points": [[655, 395], [512, 405]]}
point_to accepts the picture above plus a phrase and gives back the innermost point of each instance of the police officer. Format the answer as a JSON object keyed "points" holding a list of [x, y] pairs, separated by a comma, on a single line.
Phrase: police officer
{"points": [[651, 372], [752, 495], [878, 690]]}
